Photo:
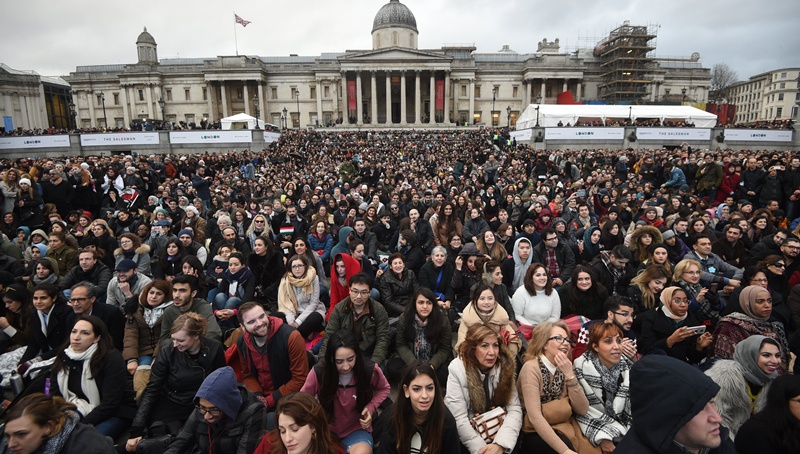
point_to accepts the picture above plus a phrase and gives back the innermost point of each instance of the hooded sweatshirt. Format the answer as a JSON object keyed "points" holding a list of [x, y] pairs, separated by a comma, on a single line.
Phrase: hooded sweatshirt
{"points": [[220, 388], [341, 247], [514, 278], [666, 393]]}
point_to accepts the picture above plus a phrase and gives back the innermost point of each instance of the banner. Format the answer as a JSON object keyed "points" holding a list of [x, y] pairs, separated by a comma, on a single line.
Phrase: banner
{"points": [[270, 137], [584, 134], [8, 123], [9, 143], [439, 95], [524, 134], [683, 134], [351, 95], [119, 138], [242, 136], [758, 135]]}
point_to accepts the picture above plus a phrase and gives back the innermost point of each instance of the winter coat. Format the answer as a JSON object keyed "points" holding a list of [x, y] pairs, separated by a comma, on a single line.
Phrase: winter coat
{"points": [[733, 400], [374, 340], [429, 277], [58, 329], [81, 439], [397, 291], [341, 247], [597, 425], [473, 228], [141, 256], [323, 245], [564, 257], [99, 275], [653, 328], [30, 213], [339, 291], [199, 306], [66, 258], [497, 320], [139, 339], [442, 349], [736, 327]]}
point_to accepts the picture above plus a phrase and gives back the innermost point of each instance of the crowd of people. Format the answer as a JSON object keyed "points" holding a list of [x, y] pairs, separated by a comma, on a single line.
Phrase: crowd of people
{"points": [[402, 291]]}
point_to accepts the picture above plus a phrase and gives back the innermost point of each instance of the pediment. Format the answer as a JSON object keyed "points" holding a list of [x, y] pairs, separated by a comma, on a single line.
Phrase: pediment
{"points": [[395, 54]]}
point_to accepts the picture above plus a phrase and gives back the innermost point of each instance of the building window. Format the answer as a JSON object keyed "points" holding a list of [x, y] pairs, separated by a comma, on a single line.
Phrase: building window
{"points": [[116, 99], [477, 91], [463, 91], [515, 92], [169, 94], [476, 118], [783, 75], [313, 92], [99, 100], [273, 92], [778, 112], [783, 85], [187, 94], [780, 96], [327, 91], [239, 94], [295, 92], [205, 94]]}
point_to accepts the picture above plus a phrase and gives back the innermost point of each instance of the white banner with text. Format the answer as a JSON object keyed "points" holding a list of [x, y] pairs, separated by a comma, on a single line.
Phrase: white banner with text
{"points": [[209, 136], [8, 143], [758, 135], [653, 134], [119, 138], [524, 134], [584, 134]]}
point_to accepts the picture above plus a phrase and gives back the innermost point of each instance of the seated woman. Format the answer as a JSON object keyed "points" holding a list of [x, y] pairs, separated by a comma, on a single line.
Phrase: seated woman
{"points": [[320, 240], [169, 264], [266, 263], [39, 423], [131, 247], [236, 287], [657, 254], [536, 301], [423, 334], [604, 374], [298, 297], [344, 267], [704, 303], [14, 323], [744, 380], [44, 272], [302, 428], [646, 287], [64, 255], [483, 309], [350, 389], [756, 306], [591, 244], [667, 328], [493, 277], [397, 287], [583, 295], [420, 421], [91, 374], [48, 327], [143, 327], [176, 375], [776, 428], [436, 275], [481, 379], [759, 275], [551, 394], [488, 245]]}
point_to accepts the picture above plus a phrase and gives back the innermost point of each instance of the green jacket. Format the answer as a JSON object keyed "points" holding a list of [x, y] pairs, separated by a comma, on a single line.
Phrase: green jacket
{"points": [[374, 339], [441, 350]]}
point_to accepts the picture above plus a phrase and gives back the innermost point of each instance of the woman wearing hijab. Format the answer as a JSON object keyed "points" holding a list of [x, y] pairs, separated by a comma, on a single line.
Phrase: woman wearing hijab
{"points": [[744, 380], [756, 304], [590, 246]]}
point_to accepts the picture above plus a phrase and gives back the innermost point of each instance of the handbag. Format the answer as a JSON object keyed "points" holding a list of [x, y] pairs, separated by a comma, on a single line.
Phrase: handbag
{"points": [[488, 423]]}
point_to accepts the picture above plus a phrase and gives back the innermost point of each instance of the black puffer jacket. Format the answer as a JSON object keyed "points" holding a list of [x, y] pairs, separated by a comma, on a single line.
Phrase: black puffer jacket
{"points": [[176, 376], [397, 292]]}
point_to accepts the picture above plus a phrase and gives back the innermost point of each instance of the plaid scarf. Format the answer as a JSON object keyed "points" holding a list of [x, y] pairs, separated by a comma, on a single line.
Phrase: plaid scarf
{"points": [[551, 263], [608, 391], [422, 349]]}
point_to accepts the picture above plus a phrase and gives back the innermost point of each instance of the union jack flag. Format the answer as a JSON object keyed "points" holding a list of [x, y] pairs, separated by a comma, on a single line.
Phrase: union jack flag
{"points": [[239, 20]]}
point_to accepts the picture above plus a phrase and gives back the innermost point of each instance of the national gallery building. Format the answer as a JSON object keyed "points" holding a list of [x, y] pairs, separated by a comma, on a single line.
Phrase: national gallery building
{"points": [[395, 84]]}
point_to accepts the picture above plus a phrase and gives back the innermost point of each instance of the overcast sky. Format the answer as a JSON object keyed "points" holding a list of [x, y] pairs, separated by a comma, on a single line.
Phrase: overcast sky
{"points": [[52, 38]]}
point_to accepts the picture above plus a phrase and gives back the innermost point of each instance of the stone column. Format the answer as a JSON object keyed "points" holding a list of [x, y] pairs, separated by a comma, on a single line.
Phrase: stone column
{"points": [[542, 93], [418, 99], [456, 89], [320, 119], [223, 89], [374, 101], [123, 93], [134, 95], [578, 91], [263, 107], [9, 107], [90, 98], [388, 100], [403, 110], [246, 98], [335, 92], [446, 114], [566, 85], [210, 96], [433, 98], [23, 110], [359, 107], [528, 87], [148, 96], [471, 118]]}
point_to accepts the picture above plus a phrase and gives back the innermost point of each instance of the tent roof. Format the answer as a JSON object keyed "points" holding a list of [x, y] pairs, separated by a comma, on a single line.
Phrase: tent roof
{"points": [[239, 117], [551, 114]]}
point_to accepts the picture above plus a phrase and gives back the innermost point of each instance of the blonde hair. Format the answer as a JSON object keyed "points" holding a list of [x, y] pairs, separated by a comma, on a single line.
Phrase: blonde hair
{"points": [[682, 266], [540, 336]]}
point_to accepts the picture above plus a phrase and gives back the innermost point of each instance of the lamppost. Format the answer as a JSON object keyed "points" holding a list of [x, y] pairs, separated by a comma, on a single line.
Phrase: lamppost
{"points": [[285, 120], [508, 117], [297, 98], [72, 114], [103, 100], [161, 104], [255, 105], [683, 94], [538, 104], [494, 96], [630, 115]]}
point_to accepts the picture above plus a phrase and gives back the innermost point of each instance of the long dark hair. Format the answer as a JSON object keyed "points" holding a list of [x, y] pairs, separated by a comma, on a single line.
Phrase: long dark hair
{"points": [[574, 295], [99, 357], [433, 329], [528, 281], [362, 371], [305, 411], [781, 423], [404, 427]]}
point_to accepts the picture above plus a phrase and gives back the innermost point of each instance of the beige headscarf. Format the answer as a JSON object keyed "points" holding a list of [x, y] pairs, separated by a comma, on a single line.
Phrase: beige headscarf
{"points": [[747, 300], [666, 299]]}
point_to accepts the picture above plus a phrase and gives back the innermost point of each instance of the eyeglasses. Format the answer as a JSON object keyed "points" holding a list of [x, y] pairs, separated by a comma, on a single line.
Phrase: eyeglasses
{"points": [[624, 314], [680, 301], [359, 292], [555, 238], [297, 267], [779, 265], [258, 221], [77, 300], [693, 273], [561, 339], [212, 411]]}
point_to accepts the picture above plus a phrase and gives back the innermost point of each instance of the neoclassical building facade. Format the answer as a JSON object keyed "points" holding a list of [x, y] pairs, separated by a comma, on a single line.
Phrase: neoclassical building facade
{"points": [[394, 84]]}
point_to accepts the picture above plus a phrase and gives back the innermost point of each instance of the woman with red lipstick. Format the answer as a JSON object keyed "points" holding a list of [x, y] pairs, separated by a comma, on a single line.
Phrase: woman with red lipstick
{"points": [[744, 380], [604, 374], [481, 378], [756, 304]]}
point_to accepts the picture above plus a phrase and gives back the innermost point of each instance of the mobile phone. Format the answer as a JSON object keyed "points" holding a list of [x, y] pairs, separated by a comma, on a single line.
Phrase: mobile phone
{"points": [[714, 287], [581, 193], [697, 329]]}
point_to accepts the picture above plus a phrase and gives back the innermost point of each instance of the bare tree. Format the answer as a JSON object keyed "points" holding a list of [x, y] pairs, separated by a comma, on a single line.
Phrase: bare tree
{"points": [[722, 77]]}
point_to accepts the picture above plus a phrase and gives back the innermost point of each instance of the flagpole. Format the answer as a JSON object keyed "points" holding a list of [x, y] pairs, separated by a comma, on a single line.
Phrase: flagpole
{"points": [[235, 39]]}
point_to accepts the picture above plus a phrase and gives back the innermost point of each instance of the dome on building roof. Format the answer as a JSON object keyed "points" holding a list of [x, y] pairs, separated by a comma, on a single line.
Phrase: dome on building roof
{"points": [[145, 38], [394, 14]]}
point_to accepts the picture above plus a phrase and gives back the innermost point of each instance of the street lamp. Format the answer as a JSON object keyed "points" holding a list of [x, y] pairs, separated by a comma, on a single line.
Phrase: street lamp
{"points": [[508, 117], [538, 104], [103, 100], [297, 98], [630, 115], [161, 104], [72, 114], [494, 96], [683, 94], [255, 105], [285, 120]]}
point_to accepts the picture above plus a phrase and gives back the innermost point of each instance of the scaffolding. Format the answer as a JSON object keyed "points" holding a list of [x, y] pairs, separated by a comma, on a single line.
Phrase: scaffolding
{"points": [[627, 63]]}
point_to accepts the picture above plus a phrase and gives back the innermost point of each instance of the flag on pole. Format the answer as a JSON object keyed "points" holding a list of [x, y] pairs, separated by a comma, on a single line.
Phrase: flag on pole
{"points": [[239, 20]]}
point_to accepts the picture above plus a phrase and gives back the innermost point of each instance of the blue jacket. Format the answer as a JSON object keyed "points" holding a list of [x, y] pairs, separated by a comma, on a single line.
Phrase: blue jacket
{"points": [[676, 178], [318, 244]]}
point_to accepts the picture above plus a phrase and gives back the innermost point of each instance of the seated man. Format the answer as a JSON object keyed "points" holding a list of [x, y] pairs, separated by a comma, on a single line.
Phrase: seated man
{"points": [[83, 300], [128, 283], [619, 311], [184, 291], [363, 316]]}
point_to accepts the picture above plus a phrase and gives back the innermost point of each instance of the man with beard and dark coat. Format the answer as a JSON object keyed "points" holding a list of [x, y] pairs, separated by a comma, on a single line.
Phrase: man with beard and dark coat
{"points": [[673, 410], [58, 191], [729, 247]]}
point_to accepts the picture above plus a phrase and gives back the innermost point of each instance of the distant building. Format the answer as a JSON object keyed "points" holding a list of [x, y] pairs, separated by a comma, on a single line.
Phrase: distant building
{"points": [[394, 84], [28, 100], [773, 95]]}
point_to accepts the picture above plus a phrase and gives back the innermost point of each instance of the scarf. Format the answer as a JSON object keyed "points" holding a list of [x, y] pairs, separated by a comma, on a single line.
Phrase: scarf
{"points": [[666, 297], [153, 315], [423, 350], [88, 383], [552, 383], [51, 279], [746, 354], [287, 299], [235, 280], [610, 379], [57, 443]]}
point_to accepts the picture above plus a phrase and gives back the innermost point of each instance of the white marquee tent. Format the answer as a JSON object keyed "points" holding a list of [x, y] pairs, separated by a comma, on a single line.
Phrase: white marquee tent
{"points": [[241, 121], [551, 114]]}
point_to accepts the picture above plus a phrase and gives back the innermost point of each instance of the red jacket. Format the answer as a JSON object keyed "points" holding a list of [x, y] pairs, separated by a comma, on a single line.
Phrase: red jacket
{"points": [[339, 292]]}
